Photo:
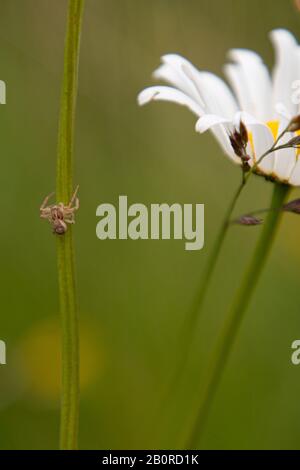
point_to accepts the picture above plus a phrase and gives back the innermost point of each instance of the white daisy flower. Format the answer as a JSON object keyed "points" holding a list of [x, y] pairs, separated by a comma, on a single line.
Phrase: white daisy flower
{"points": [[263, 103]]}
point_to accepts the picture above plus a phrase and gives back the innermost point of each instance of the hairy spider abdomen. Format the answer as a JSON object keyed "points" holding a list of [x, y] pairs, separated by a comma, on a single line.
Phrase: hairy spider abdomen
{"points": [[60, 228]]}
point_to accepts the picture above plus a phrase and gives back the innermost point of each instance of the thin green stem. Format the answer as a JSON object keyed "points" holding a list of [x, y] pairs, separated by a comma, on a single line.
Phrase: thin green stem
{"points": [[187, 332], [189, 328], [65, 250], [233, 321], [212, 261], [213, 258]]}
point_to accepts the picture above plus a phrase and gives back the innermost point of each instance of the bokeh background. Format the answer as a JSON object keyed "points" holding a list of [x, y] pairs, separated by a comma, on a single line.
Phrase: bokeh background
{"points": [[134, 294]]}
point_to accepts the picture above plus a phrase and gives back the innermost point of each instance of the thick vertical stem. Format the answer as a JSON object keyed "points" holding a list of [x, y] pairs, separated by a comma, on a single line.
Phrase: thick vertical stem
{"points": [[65, 250], [233, 321]]}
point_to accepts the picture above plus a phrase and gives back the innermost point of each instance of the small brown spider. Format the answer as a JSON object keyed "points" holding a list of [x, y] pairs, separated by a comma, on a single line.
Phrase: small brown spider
{"points": [[60, 215]]}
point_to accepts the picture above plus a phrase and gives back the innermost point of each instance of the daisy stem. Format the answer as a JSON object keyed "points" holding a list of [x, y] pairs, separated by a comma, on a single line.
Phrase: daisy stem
{"points": [[210, 267], [188, 330], [233, 321], [213, 258], [65, 250]]}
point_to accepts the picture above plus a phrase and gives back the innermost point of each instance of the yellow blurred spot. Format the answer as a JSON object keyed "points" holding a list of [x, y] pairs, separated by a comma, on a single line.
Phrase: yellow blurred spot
{"points": [[40, 359]]}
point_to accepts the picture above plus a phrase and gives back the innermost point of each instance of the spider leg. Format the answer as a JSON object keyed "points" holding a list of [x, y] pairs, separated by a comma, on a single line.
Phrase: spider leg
{"points": [[74, 198], [68, 211], [76, 205], [43, 206], [69, 217], [71, 210], [45, 213]]}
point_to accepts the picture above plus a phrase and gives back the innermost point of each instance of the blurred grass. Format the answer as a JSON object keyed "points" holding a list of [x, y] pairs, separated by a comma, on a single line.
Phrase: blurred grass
{"points": [[133, 295]]}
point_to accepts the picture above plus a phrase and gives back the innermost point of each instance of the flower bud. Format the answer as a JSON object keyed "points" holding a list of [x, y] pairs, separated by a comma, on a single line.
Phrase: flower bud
{"points": [[292, 206], [239, 140], [236, 145], [294, 124], [244, 133], [295, 142], [248, 220]]}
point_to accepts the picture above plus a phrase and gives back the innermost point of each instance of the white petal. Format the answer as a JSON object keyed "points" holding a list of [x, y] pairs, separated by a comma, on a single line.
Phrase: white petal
{"points": [[285, 161], [221, 134], [220, 127], [236, 79], [164, 93], [295, 176], [262, 141], [248, 119], [166, 73], [283, 112], [296, 84], [208, 121], [214, 92], [285, 71], [172, 72], [251, 82]]}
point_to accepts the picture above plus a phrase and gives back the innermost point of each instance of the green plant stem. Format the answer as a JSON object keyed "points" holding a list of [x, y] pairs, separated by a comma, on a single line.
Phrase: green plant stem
{"points": [[221, 235], [213, 258], [212, 261], [233, 321], [65, 250], [187, 332]]}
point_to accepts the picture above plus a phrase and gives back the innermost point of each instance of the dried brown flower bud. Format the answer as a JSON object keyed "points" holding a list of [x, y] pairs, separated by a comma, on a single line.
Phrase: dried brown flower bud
{"points": [[238, 138], [295, 142], [292, 206], [239, 141], [248, 220], [236, 145], [244, 133], [294, 124]]}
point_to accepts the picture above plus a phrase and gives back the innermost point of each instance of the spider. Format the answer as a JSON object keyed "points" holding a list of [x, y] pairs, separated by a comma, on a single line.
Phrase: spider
{"points": [[60, 215]]}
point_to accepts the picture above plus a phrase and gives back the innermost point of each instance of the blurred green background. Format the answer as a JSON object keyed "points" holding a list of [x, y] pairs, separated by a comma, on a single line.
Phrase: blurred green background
{"points": [[134, 294]]}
